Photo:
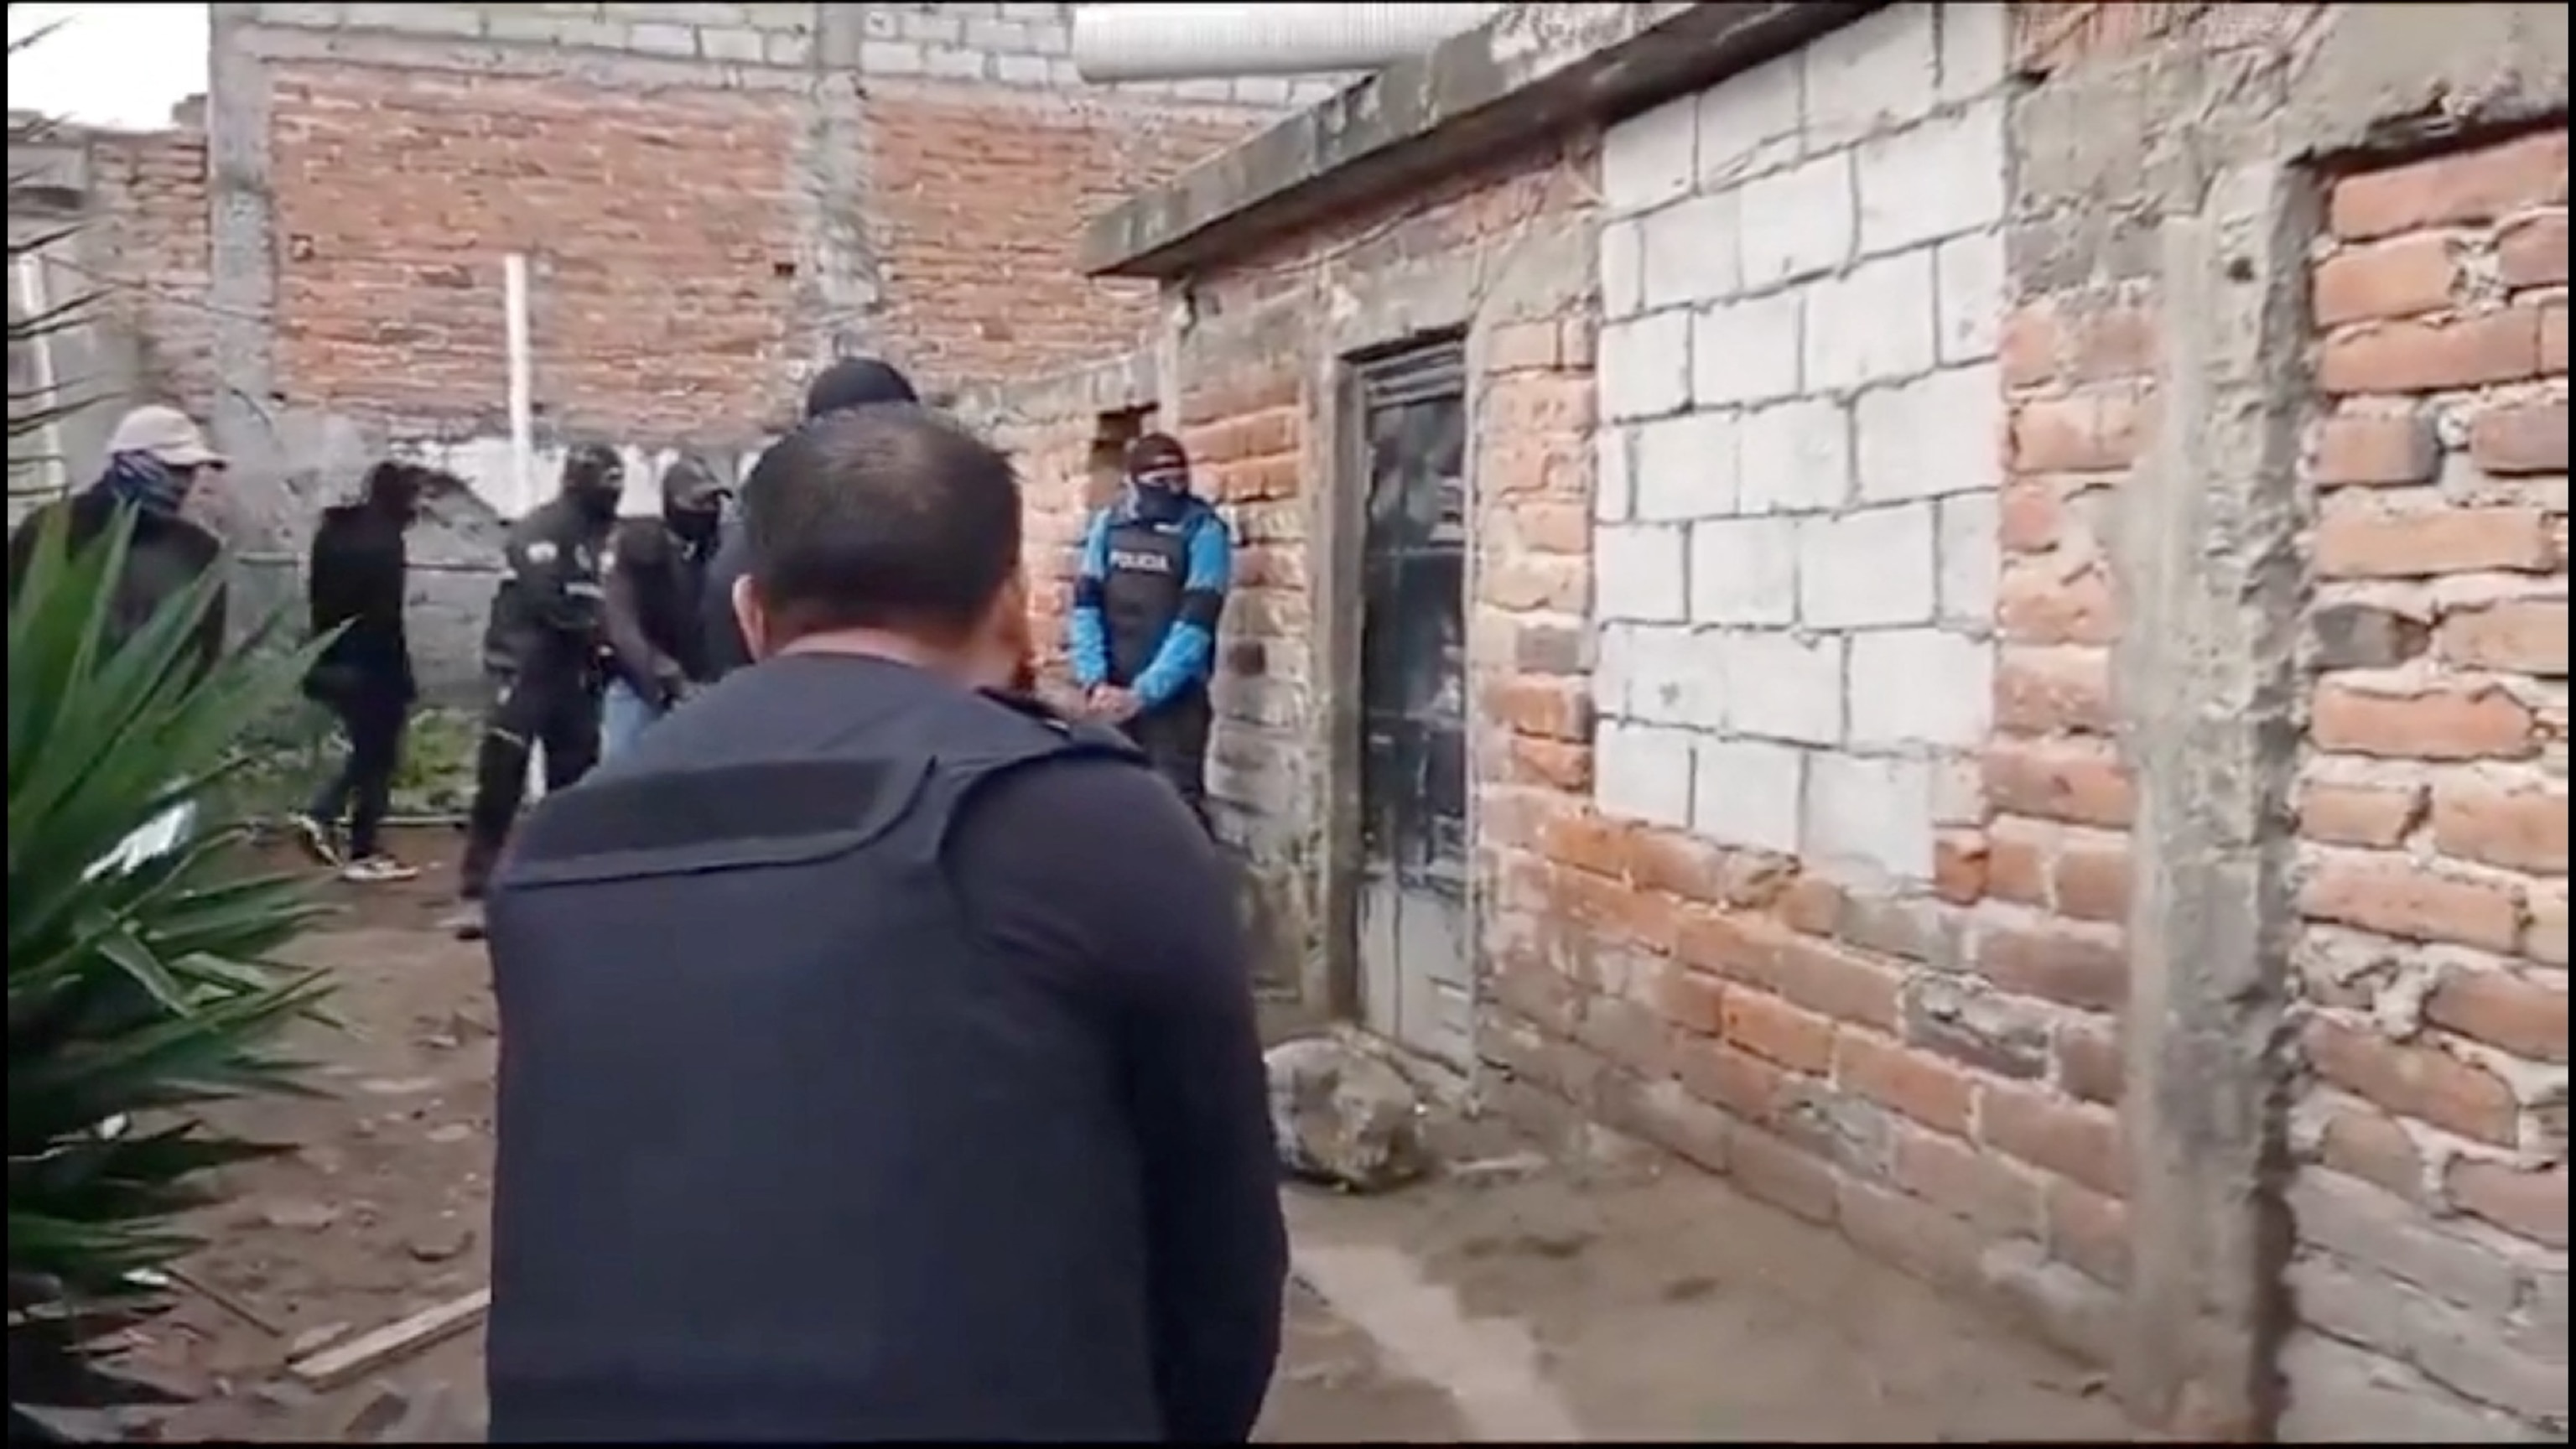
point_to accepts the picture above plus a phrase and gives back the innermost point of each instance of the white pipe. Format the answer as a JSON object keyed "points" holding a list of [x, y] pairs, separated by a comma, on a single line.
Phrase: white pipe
{"points": [[523, 433], [523, 419], [1195, 42]]}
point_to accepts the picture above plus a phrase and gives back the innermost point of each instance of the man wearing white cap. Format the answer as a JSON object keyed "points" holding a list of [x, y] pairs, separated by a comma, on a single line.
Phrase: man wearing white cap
{"points": [[155, 458]]}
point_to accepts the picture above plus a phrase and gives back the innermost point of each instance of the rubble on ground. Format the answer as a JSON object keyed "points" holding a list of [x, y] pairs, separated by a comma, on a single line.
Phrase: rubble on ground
{"points": [[1345, 1117]]}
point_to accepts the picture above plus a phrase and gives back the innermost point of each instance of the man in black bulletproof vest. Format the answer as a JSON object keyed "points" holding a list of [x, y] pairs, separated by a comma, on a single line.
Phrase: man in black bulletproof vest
{"points": [[881, 1054]]}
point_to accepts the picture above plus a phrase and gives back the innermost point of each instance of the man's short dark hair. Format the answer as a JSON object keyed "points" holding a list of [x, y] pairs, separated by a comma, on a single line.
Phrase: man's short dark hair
{"points": [[881, 517]]}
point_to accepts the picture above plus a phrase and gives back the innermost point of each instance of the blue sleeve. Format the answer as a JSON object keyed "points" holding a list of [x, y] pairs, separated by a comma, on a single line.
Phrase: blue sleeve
{"points": [[1086, 637], [1187, 655]]}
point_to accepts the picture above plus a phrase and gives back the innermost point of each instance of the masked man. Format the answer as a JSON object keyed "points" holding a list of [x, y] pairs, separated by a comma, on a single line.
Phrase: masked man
{"points": [[656, 570], [355, 584], [542, 653], [156, 458], [1155, 569]]}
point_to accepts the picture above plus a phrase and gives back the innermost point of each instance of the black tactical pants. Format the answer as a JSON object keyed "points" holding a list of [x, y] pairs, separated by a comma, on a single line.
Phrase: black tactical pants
{"points": [[1175, 741], [555, 712]]}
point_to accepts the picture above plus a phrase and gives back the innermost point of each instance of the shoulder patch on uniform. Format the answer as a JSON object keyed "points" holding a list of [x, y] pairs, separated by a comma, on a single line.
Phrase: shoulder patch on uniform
{"points": [[542, 551]]}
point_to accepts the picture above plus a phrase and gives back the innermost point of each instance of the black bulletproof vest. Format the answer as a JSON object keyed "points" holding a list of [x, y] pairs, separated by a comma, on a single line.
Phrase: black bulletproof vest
{"points": [[787, 1152], [1149, 570]]}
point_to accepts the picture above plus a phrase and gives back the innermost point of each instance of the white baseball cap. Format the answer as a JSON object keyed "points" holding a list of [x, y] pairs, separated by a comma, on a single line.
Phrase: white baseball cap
{"points": [[167, 434]]}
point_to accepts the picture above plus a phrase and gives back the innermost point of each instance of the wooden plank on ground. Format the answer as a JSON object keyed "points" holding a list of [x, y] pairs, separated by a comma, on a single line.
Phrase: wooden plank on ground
{"points": [[364, 1354]]}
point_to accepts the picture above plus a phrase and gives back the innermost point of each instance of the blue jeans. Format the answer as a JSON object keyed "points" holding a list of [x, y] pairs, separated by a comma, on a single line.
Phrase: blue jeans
{"points": [[623, 716]]}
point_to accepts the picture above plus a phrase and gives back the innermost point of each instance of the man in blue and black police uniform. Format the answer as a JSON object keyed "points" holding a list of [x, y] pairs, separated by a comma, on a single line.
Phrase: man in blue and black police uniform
{"points": [[543, 655], [881, 1060], [1155, 569]]}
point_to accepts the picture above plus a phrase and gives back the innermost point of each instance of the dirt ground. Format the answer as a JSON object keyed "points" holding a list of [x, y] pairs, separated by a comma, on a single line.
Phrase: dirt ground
{"points": [[1515, 1300]]}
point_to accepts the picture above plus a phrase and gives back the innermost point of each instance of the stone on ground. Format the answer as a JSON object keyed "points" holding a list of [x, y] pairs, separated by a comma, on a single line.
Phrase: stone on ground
{"points": [[1343, 1116]]}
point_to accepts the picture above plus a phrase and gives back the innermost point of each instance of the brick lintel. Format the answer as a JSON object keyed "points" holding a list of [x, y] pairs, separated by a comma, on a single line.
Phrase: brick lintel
{"points": [[1534, 69]]}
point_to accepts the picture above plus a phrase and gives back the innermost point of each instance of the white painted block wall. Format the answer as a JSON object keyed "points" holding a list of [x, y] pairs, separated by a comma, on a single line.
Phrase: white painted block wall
{"points": [[1802, 273]]}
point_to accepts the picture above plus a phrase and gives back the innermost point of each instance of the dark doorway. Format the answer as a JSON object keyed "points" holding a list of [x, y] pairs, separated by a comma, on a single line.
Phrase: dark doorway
{"points": [[1414, 926]]}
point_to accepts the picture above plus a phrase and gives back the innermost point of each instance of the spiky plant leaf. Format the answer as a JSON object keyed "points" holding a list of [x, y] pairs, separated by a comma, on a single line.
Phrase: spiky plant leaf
{"points": [[137, 994]]}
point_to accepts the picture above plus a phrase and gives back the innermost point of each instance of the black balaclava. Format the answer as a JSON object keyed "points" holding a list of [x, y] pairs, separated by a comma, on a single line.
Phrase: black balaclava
{"points": [[693, 500], [856, 382], [594, 479], [393, 488], [1158, 477]]}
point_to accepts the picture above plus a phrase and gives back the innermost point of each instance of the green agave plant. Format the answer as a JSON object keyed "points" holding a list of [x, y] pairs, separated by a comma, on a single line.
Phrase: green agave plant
{"points": [[138, 993]]}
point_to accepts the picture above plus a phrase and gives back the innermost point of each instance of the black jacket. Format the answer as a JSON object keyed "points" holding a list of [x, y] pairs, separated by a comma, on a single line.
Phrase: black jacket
{"points": [[795, 1146], [720, 631], [356, 578], [653, 617], [546, 615], [166, 555]]}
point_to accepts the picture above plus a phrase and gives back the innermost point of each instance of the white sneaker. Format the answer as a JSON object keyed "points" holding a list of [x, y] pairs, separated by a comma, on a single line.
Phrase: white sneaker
{"points": [[377, 870]]}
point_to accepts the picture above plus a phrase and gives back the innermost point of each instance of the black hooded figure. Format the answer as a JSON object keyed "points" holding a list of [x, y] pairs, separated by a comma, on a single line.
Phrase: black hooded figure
{"points": [[656, 571], [849, 383], [355, 584], [542, 656]]}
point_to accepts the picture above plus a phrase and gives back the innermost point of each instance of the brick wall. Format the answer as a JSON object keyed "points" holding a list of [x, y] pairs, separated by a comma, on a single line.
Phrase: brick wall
{"points": [[662, 249], [2431, 1201], [146, 245], [1865, 881], [980, 199]]}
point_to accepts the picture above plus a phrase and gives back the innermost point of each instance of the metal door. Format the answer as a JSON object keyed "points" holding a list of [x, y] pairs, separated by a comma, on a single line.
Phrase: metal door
{"points": [[1414, 930]]}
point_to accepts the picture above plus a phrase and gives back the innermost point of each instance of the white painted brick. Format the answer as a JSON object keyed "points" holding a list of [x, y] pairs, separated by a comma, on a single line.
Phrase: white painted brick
{"points": [[1645, 368], [1878, 72], [1640, 772], [1638, 573], [1614, 667], [1649, 159], [1675, 677], [1691, 252], [1744, 572], [1913, 688], [1871, 569], [1614, 487], [1686, 467], [1968, 280], [1872, 324], [1971, 559], [1939, 434], [1869, 817], [1747, 794], [1976, 49], [1623, 270], [1784, 686], [1749, 123], [1798, 222], [1746, 352], [1936, 178], [1794, 458]]}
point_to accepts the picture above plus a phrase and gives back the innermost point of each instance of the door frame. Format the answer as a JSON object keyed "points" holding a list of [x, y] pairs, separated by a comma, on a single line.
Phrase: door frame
{"points": [[1341, 608]]}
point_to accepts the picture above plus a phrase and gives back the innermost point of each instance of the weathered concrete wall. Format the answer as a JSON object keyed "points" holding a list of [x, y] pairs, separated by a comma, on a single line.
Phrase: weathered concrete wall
{"points": [[712, 199], [2161, 557]]}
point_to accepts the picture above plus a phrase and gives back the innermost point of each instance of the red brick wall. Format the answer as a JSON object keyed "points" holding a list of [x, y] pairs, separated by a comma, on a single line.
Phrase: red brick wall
{"points": [[2432, 1199], [980, 201], [147, 243], [656, 223]]}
